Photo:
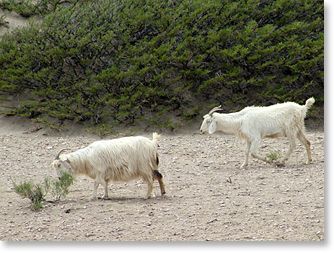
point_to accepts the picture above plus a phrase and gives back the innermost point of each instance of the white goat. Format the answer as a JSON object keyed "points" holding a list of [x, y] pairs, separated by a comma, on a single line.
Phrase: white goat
{"points": [[255, 123], [121, 159]]}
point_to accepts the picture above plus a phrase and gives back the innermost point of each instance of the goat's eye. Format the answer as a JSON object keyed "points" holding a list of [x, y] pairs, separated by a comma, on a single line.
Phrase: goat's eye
{"points": [[58, 165]]}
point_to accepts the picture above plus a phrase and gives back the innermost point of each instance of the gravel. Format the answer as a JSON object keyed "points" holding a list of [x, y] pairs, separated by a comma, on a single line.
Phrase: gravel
{"points": [[209, 198]]}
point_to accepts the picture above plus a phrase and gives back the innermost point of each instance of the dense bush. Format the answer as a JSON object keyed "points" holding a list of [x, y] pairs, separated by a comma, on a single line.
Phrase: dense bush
{"points": [[28, 8], [160, 62]]}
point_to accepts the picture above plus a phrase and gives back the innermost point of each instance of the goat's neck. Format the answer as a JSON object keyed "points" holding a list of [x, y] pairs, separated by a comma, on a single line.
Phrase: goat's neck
{"points": [[227, 123], [80, 165], [75, 163]]}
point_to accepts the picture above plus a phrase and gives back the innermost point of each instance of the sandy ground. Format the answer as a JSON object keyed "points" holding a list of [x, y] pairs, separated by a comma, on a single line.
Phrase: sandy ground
{"points": [[13, 20], [208, 196]]}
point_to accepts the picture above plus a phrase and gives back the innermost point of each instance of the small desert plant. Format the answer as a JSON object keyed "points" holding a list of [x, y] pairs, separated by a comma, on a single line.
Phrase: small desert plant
{"points": [[37, 192], [273, 156], [34, 192], [60, 187]]}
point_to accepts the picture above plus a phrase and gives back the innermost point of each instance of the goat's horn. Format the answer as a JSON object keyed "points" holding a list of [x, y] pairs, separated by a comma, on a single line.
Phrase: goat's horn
{"points": [[57, 157], [218, 108]]}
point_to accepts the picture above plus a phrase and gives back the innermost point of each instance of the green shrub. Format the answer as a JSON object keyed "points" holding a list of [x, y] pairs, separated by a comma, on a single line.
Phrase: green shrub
{"points": [[101, 130], [60, 187], [273, 156], [34, 192], [28, 8], [120, 62], [24, 8], [37, 192]]}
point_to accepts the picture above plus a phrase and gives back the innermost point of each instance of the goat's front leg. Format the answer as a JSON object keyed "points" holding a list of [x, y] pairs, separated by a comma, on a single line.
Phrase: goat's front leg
{"points": [[247, 155], [96, 185], [100, 180], [260, 158], [105, 185], [254, 147]]}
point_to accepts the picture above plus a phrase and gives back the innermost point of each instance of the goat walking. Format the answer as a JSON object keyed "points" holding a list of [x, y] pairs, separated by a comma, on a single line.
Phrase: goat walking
{"points": [[121, 159], [255, 123]]}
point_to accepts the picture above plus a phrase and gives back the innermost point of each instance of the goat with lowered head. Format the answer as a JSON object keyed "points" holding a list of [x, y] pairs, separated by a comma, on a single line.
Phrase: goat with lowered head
{"points": [[121, 159], [255, 123]]}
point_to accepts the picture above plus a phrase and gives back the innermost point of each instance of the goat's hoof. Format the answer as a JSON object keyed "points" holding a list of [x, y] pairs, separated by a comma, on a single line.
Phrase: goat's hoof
{"points": [[150, 196], [280, 164]]}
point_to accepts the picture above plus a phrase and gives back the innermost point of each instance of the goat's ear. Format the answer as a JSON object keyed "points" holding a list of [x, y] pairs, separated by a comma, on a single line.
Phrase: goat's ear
{"points": [[212, 126]]}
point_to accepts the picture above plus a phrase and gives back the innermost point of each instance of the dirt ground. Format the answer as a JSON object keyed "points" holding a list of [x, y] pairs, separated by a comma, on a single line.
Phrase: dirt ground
{"points": [[208, 196], [13, 20]]}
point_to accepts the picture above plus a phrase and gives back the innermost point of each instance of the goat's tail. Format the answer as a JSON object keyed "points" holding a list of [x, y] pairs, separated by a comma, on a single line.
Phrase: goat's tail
{"points": [[309, 102], [155, 138]]}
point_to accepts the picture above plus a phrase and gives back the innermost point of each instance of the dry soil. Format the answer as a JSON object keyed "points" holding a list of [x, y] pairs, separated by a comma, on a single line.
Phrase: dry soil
{"points": [[208, 196]]}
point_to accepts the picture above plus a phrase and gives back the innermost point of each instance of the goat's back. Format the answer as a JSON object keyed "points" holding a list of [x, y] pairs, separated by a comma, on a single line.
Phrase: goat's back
{"points": [[275, 120], [278, 110], [122, 158]]}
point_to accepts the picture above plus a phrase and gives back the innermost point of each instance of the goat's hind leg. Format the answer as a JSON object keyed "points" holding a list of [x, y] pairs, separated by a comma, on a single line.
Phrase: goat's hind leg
{"points": [[149, 181], [301, 137], [292, 146], [157, 175]]}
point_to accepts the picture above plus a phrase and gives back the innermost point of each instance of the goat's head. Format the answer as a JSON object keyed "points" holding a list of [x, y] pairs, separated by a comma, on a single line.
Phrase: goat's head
{"points": [[209, 123], [61, 165]]}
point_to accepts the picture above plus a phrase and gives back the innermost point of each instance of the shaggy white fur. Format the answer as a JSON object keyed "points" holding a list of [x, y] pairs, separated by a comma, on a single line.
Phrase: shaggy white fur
{"points": [[121, 159]]}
